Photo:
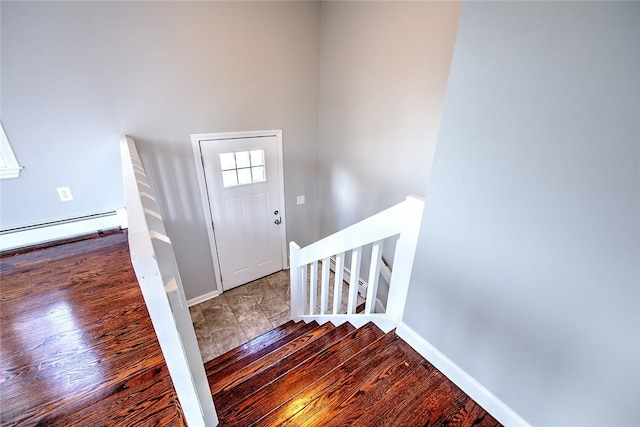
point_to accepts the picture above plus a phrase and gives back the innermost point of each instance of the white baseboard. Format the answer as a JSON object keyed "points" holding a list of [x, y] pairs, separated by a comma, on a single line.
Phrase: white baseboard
{"points": [[202, 298], [497, 408], [59, 230]]}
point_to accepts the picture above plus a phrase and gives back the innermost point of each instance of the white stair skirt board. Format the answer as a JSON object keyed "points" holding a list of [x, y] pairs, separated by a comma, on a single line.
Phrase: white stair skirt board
{"points": [[483, 397], [65, 229]]}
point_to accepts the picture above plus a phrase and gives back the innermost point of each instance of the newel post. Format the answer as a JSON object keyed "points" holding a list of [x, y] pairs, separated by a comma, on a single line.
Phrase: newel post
{"points": [[295, 279], [404, 256]]}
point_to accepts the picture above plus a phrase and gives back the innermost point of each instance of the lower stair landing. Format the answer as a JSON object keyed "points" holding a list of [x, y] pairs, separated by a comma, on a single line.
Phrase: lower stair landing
{"points": [[324, 375]]}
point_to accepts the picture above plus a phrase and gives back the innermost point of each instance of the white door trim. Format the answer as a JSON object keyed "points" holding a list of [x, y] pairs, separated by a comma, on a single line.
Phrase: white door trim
{"points": [[204, 197]]}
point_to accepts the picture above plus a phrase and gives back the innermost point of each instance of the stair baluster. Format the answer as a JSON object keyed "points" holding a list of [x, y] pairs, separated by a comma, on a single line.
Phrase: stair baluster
{"points": [[401, 222]]}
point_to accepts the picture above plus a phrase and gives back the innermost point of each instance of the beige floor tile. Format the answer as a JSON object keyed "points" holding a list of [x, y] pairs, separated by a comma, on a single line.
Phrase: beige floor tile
{"points": [[273, 306], [280, 278], [255, 325], [282, 290], [229, 338], [215, 302], [196, 313], [245, 310], [201, 328], [208, 348], [241, 314], [236, 295], [238, 299], [260, 290], [239, 290], [280, 319], [221, 319], [214, 306]]}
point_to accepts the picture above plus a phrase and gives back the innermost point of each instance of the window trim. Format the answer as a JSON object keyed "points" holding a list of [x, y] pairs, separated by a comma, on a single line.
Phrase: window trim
{"points": [[12, 168], [236, 169]]}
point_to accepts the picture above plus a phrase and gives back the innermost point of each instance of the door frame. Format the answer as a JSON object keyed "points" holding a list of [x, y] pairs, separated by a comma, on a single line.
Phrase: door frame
{"points": [[196, 140]]}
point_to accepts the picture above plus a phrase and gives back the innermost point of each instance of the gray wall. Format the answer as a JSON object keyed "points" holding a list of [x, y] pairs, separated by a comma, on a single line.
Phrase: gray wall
{"points": [[384, 68], [75, 75], [528, 268]]}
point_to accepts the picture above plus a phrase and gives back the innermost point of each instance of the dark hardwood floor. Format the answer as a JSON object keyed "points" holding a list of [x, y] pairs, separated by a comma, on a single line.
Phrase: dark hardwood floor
{"points": [[76, 343], [310, 375], [77, 348]]}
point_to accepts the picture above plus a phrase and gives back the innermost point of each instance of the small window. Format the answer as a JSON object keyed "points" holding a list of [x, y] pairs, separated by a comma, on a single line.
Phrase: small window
{"points": [[242, 167], [9, 167]]}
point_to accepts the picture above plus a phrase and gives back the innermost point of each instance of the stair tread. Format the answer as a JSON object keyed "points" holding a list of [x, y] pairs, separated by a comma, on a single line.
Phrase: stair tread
{"points": [[223, 380], [272, 395], [255, 348], [436, 405], [383, 412], [371, 393], [422, 396], [265, 339], [227, 398], [322, 398]]}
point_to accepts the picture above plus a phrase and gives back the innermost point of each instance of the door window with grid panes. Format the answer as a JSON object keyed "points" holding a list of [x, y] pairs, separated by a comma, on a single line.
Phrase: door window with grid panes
{"points": [[242, 167]]}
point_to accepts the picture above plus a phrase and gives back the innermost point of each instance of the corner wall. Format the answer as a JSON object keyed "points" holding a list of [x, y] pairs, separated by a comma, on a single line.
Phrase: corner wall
{"points": [[384, 69], [76, 75], [527, 273]]}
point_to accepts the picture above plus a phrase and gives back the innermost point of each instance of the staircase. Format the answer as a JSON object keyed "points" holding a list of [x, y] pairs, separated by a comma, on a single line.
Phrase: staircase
{"points": [[334, 363], [306, 374]]}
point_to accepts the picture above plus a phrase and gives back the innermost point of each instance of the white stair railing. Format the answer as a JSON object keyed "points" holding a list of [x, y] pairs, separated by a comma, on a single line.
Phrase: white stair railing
{"points": [[155, 266], [401, 221]]}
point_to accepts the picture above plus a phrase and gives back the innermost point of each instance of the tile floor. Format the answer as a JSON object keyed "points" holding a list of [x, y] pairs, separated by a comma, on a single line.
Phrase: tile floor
{"points": [[248, 311], [241, 314]]}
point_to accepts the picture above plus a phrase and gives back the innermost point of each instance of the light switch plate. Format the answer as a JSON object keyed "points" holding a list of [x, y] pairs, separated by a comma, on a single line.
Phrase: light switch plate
{"points": [[300, 200]]}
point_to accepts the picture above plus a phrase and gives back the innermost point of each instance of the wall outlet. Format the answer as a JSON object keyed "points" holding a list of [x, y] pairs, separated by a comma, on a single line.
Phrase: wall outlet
{"points": [[65, 194], [300, 200]]}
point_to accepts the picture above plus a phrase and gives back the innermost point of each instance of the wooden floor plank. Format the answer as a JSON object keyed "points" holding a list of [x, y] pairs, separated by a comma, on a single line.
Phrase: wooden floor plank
{"points": [[279, 333], [385, 410], [224, 381], [366, 393], [75, 337], [139, 398], [471, 415], [226, 399], [334, 388], [443, 405], [367, 397], [246, 358], [278, 392]]}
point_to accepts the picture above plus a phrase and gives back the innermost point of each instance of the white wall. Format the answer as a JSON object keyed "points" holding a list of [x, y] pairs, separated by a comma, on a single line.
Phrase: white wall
{"points": [[528, 267], [75, 75]]}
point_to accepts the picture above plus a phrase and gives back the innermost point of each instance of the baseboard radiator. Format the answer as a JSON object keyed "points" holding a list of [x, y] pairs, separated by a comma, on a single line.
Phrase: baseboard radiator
{"points": [[385, 274], [36, 234]]}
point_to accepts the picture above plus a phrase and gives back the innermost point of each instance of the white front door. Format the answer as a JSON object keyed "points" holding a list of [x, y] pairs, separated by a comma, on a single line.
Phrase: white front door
{"points": [[243, 186]]}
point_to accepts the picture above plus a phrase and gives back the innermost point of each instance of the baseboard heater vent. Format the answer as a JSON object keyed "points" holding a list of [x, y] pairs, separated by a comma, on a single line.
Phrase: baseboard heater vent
{"points": [[385, 272], [362, 285], [35, 234]]}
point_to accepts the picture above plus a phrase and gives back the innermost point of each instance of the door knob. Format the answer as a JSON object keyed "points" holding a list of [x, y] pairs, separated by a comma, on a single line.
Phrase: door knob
{"points": [[277, 221]]}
